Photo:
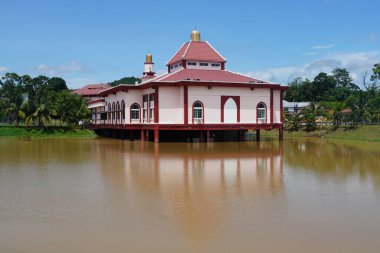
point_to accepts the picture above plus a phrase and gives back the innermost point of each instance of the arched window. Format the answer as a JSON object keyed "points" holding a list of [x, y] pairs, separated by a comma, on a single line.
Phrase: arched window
{"points": [[109, 113], [117, 112], [198, 113], [261, 113], [113, 112], [122, 110], [135, 113]]}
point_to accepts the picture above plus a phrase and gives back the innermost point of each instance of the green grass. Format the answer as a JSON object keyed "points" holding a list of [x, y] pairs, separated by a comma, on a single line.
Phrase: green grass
{"points": [[50, 132], [364, 133]]}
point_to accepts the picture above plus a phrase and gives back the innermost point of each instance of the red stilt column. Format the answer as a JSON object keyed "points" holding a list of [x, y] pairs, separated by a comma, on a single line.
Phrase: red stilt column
{"points": [[142, 135], [147, 135], [281, 133], [258, 135], [156, 135], [208, 136]]}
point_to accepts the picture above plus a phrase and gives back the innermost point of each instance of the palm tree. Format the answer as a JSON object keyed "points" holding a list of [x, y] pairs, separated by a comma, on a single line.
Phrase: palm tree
{"points": [[16, 112], [41, 115]]}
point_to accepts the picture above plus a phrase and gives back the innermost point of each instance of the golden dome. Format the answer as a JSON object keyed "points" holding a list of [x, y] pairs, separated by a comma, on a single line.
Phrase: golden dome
{"points": [[148, 58], [195, 36]]}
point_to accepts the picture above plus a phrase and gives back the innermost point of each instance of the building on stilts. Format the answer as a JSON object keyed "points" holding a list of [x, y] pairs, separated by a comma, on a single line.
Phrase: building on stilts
{"points": [[198, 98]]}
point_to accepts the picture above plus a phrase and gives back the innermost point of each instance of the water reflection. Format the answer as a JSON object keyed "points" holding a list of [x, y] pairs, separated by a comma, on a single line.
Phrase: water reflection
{"points": [[196, 183], [108, 195], [335, 159]]}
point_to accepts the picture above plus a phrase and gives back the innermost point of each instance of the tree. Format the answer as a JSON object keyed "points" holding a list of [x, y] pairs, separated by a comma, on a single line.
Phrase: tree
{"points": [[42, 115], [126, 80], [376, 72], [56, 84], [322, 87]]}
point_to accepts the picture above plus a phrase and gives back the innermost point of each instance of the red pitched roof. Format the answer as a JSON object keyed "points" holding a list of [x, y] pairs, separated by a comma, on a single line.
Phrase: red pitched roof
{"points": [[207, 76], [92, 89], [197, 51]]}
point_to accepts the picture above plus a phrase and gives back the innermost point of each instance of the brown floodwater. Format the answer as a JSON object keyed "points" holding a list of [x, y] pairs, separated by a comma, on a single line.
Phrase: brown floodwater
{"points": [[104, 195]]}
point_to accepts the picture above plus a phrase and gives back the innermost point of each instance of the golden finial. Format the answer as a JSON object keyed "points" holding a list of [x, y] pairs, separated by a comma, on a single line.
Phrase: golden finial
{"points": [[195, 35], [148, 58]]}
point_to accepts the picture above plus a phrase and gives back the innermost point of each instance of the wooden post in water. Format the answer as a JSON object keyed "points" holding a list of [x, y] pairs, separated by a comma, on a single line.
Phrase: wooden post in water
{"points": [[281, 133], [208, 136], [258, 135]]}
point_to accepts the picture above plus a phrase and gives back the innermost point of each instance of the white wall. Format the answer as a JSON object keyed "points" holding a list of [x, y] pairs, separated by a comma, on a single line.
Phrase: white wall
{"points": [[170, 108], [171, 100], [211, 99]]}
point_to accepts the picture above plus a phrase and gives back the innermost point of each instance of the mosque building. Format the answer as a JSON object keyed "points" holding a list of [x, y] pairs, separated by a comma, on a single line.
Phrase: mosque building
{"points": [[196, 99]]}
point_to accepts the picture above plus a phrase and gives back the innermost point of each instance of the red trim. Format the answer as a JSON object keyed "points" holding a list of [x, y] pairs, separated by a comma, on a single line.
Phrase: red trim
{"points": [[222, 65], [226, 126], [130, 112], [271, 106], [184, 64], [281, 107], [185, 105], [223, 101], [203, 112], [192, 83], [156, 115], [257, 113]]}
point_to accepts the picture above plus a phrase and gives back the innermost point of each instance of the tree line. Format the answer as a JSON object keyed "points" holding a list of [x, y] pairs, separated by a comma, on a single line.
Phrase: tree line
{"points": [[335, 98], [39, 100]]}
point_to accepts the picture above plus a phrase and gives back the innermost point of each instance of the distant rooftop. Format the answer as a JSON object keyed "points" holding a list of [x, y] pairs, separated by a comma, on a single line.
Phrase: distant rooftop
{"points": [[92, 89]]}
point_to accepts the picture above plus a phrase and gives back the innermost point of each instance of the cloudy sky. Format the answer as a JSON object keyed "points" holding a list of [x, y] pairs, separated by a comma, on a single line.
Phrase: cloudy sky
{"points": [[100, 41]]}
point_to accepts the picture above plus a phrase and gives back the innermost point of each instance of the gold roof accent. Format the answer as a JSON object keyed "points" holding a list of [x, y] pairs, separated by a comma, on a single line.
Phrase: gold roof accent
{"points": [[149, 58], [195, 35]]}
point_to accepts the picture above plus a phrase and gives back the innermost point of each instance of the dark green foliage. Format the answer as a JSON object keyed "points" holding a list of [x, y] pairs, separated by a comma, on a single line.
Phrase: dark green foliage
{"points": [[126, 80], [57, 84], [38, 100], [335, 95]]}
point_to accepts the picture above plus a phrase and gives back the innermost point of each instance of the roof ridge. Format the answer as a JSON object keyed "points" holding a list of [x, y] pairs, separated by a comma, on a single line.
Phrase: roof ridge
{"points": [[188, 46], [236, 73], [215, 50], [176, 52]]}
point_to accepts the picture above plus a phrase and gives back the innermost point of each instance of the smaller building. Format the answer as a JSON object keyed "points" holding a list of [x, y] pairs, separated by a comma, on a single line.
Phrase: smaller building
{"points": [[294, 107], [94, 101], [91, 91]]}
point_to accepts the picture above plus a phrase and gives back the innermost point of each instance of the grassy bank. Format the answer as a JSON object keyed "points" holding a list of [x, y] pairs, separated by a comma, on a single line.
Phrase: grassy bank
{"points": [[51, 132], [364, 133]]}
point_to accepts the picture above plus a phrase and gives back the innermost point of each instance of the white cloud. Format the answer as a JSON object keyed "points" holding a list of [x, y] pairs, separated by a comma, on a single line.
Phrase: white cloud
{"points": [[355, 63], [4, 69], [323, 46], [72, 67]]}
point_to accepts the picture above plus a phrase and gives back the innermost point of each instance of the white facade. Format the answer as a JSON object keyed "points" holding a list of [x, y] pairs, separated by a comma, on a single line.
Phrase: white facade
{"points": [[171, 103]]}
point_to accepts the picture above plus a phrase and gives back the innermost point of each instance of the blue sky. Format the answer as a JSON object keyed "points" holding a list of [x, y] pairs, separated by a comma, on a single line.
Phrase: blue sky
{"points": [[100, 41]]}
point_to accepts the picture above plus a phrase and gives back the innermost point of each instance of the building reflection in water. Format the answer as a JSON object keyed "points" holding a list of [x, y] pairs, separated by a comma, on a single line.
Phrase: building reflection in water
{"points": [[192, 186]]}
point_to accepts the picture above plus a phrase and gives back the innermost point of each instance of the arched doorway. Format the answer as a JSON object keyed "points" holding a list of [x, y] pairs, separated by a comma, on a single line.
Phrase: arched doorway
{"points": [[230, 111]]}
